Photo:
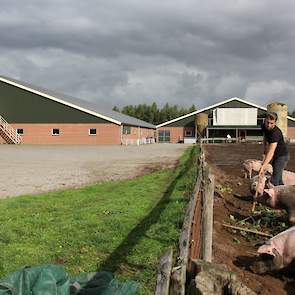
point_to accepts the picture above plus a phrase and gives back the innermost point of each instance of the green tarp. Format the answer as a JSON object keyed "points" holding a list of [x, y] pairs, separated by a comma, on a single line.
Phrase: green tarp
{"points": [[53, 280]]}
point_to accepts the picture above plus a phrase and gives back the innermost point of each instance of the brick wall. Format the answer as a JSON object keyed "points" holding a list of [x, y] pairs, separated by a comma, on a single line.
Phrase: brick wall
{"points": [[145, 132], [137, 133], [176, 133], [70, 133], [291, 132], [2, 141]]}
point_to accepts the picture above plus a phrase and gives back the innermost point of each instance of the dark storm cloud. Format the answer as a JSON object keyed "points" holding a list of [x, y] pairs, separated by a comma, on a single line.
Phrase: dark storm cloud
{"points": [[119, 52]]}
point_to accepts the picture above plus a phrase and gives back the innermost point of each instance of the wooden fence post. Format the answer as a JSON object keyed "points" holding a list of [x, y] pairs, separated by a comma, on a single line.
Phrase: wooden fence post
{"points": [[164, 273], [179, 274], [204, 191], [207, 227]]}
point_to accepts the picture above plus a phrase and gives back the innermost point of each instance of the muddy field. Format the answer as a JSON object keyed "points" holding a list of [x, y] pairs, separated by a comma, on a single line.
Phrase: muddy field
{"points": [[232, 205], [32, 169]]}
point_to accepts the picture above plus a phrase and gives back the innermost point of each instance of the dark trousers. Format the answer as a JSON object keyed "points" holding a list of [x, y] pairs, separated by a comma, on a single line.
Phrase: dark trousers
{"points": [[278, 165]]}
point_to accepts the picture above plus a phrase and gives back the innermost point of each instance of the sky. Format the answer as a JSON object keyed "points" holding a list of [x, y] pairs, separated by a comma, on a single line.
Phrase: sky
{"points": [[130, 52]]}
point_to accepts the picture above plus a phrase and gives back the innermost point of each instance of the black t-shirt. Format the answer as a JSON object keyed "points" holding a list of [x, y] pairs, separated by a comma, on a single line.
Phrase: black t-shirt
{"points": [[275, 135]]}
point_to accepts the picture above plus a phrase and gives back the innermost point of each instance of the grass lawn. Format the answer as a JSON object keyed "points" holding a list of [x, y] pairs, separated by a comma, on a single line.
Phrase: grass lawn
{"points": [[122, 226]]}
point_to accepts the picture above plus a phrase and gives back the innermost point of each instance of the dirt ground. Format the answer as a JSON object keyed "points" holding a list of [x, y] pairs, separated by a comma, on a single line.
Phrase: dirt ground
{"points": [[32, 169], [230, 247]]}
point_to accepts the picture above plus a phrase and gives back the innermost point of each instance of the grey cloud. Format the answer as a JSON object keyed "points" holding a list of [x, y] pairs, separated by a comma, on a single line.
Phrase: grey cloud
{"points": [[120, 52]]}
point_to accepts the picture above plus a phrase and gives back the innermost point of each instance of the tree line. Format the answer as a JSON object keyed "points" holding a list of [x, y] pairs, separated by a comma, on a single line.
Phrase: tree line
{"points": [[153, 114]]}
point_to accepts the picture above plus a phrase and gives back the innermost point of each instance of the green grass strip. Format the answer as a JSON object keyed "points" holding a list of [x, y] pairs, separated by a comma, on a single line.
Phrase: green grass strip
{"points": [[120, 226]]}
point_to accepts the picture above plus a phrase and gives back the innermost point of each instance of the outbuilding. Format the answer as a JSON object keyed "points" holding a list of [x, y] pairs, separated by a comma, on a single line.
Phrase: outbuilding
{"points": [[33, 115], [233, 120]]}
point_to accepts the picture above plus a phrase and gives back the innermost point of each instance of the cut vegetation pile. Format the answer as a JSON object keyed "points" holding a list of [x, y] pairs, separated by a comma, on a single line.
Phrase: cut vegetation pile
{"points": [[123, 227], [264, 221]]}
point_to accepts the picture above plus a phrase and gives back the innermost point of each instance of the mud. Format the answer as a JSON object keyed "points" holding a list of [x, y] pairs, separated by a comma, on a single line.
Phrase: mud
{"points": [[234, 200]]}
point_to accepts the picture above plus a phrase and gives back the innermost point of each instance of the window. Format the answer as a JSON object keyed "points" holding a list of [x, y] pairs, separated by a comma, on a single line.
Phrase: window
{"points": [[260, 121], [126, 130], [188, 133], [55, 131], [164, 136], [92, 131], [20, 131]]}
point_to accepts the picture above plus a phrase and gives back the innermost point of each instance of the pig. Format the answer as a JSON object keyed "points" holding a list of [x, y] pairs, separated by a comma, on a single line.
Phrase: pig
{"points": [[279, 197], [280, 251], [264, 181], [254, 165], [288, 177], [261, 182]]}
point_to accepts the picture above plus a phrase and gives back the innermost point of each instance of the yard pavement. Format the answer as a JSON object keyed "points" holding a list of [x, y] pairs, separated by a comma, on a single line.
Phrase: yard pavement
{"points": [[33, 169]]}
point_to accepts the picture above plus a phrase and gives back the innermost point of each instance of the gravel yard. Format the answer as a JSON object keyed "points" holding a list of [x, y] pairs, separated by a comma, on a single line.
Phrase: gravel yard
{"points": [[32, 169]]}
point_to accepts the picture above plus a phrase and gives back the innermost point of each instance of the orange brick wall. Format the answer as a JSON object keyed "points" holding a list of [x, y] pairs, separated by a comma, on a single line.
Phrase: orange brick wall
{"points": [[291, 132], [70, 133], [176, 133], [137, 133], [2, 141], [145, 133]]}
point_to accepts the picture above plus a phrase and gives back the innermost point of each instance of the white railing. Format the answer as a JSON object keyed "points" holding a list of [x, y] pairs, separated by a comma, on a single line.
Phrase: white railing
{"points": [[218, 140], [9, 131], [254, 138], [138, 141], [231, 140]]}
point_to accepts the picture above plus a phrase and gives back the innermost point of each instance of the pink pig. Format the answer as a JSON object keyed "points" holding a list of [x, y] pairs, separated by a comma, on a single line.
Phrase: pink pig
{"points": [[282, 250], [282, 197], [288, 179], [254, 165], [260, 182]]}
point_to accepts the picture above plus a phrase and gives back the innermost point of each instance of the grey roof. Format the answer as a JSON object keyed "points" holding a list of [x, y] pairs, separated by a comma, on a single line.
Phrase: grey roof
{"points": [[124, 119]]}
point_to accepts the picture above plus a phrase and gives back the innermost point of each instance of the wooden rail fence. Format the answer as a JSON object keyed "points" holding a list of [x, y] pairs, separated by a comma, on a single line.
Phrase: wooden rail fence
{"points": [[195, 239]]}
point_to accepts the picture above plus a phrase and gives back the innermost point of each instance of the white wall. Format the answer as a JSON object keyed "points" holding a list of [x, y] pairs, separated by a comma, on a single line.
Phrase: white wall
{"points": [[234, 116]]}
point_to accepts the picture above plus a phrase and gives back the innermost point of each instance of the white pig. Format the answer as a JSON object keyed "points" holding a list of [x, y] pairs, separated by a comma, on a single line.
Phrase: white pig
{"points": [[280, 197], [254, 165], [281, 247], [262, 182]]}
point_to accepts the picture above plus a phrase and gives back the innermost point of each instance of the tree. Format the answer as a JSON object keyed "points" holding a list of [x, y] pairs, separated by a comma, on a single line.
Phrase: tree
{"points": [[154, 114], [129, 110], [116, 109], [164, 113], [192, 109], [151, 113]]}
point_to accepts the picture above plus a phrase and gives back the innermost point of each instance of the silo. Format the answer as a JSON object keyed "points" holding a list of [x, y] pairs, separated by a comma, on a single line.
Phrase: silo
{"points": [[201, 122], [281, 110]]}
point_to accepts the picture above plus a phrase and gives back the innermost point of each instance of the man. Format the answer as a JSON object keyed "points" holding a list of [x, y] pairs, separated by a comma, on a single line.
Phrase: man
{"points": [[275, 149]]}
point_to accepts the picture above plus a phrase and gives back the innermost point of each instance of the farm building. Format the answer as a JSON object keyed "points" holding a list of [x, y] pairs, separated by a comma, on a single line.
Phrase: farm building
{"points": [[235, 119], [40, 116]]}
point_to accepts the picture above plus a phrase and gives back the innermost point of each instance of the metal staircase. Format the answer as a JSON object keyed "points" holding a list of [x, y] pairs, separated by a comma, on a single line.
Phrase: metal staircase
{"points": [[8, 133]]}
